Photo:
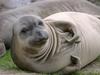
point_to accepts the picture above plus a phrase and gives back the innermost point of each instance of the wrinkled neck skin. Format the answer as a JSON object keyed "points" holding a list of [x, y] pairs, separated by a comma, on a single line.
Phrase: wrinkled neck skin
{"points": [[50, 58]]}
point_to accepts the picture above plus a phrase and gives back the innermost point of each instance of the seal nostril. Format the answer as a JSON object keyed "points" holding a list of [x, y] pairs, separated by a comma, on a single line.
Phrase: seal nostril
{"points": [[44, 36]]}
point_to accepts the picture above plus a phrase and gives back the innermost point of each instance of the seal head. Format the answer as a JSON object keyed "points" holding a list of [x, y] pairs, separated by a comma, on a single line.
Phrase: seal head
{"points": [[31, 30]]}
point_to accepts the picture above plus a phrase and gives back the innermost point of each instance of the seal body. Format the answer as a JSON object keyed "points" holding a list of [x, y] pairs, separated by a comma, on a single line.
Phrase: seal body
{"points": [[88, 30], [12, 4], [72, 42]]}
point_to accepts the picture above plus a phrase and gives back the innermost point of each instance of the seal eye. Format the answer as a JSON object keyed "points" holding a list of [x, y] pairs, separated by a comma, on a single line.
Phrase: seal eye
{"points": [[40, 23], [24, 30]]}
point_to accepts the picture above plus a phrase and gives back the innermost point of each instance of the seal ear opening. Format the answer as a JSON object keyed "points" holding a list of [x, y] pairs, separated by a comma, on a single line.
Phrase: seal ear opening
{"points": [[67, 29]]}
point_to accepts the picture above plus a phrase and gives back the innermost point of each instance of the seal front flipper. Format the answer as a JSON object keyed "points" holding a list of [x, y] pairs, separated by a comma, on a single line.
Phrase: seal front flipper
{"points": [[2, 48], [73, 39], [66, 30], [74, 66]]}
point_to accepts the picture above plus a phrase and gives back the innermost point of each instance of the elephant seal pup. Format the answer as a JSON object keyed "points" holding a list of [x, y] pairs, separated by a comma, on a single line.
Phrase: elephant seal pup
{"points": [[42, 9], [61, 42]]}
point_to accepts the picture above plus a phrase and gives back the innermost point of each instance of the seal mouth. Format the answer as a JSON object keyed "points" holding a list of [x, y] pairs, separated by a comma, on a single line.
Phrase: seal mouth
{"points": [[38, 42]]}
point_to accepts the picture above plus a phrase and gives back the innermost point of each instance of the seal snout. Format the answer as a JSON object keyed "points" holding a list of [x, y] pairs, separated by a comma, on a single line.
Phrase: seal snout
{"points": [[42, 36], [39, 38]]}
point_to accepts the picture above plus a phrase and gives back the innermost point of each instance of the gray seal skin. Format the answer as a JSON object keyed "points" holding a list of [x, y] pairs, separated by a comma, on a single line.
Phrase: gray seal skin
{"points": [[63, 42], [42, 9], [12, 4]]}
